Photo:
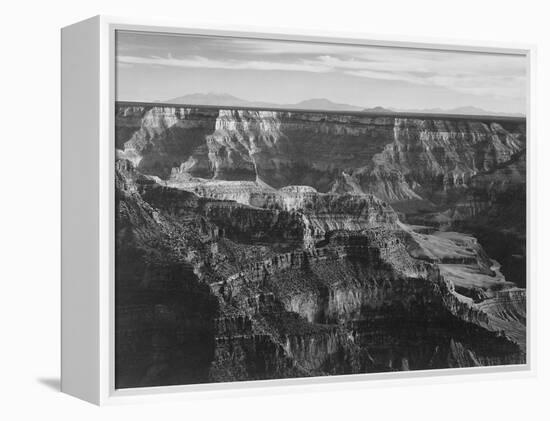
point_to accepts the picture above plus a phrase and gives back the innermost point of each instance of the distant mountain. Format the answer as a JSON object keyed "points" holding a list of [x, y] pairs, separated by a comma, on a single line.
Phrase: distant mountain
{"points": [[322, 104], [213, 98], [378, 110], [223, 99]]}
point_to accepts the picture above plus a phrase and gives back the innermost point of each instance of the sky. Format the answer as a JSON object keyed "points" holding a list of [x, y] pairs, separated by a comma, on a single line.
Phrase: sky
{"points": [[157, 67]]}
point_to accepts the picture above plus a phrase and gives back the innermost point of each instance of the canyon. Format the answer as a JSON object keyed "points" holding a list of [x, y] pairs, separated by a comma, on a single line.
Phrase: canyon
{"points": [[259, 244]]}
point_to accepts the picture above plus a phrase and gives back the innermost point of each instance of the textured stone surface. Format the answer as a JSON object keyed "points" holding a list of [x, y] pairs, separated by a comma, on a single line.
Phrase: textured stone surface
{"points": [[394, 158], [261, 244], [463, 173]]}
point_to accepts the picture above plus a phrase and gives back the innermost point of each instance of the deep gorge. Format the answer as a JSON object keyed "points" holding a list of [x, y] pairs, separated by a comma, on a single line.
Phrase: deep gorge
{"points": [[258, 244]]}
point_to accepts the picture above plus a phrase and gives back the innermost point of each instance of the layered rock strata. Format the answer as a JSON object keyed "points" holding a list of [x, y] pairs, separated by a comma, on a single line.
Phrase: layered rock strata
{"points": [[290, 282]]}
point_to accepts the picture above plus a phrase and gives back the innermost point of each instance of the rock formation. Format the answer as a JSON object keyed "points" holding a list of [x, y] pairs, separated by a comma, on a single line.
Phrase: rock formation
{"points": [[267, 244]]}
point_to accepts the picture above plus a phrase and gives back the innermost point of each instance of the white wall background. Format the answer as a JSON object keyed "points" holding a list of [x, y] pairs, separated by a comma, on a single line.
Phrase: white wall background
{"points": [[29, 235]]}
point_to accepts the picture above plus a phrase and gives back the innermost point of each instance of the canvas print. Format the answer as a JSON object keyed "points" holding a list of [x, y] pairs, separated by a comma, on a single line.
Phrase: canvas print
{"points": [[292, 209]]}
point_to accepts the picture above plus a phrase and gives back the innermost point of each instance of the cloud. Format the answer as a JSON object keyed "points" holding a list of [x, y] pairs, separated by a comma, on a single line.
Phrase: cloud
{"points": [[496, 75], [206, 63], [275, 47]]}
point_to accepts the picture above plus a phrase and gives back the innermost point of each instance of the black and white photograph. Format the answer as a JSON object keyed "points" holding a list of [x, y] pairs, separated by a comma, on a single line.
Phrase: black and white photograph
{"points": [[300, 210], [292, 209]]}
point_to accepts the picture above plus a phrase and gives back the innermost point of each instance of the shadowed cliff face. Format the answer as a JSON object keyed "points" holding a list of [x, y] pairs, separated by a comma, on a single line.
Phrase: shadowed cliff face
{"points": [[164, 317], [229, 280], [460, 173], [393, 158], [281, 148]]}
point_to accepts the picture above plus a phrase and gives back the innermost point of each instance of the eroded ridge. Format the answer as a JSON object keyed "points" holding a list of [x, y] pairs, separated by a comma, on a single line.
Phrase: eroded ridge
{"points": [[263, 244]]}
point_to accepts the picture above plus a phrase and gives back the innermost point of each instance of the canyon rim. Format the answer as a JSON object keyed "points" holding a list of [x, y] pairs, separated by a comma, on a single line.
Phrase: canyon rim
{"points": [[283, 236]]}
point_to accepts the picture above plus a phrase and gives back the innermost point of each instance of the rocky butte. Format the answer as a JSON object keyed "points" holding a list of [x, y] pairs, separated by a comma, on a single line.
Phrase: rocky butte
{"points": [[261, 244]]}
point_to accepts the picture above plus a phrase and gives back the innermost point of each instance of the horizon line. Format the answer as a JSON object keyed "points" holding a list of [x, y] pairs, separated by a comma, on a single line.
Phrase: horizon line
{"points": [[366, 112]]}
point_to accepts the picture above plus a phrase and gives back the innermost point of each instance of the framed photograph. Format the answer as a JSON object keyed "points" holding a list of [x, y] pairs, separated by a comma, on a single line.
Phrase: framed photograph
{"points": [[247, 209]]}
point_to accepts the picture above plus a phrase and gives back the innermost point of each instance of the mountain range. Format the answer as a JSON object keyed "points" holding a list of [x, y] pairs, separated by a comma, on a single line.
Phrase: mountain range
{"points": [[223, 99]]}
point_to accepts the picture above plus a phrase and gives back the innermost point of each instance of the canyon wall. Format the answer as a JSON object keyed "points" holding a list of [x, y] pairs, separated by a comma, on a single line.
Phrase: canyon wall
{"points": [[258, 244], [462, 172], [393, 158]]}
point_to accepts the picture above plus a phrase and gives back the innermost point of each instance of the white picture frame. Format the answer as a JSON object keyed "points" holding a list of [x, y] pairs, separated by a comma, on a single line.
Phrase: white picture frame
{"points": [[88, 85]]}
